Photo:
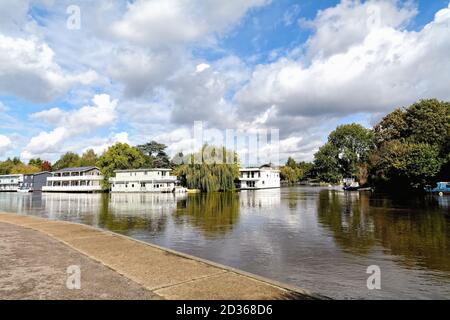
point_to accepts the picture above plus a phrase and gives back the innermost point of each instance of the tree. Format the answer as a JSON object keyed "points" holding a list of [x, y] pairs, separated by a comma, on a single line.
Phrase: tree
{"points": [[412, 145], [399, 163], [288, 174], [353, 144], [345, 153], [156, 154], [67, 160], [294, 171], [7, 165], [46, 166], [428, 121], [213, 171], [326, 164], [24, 169], [89, 158], [391, 127], [35, 162], [120, 156]]}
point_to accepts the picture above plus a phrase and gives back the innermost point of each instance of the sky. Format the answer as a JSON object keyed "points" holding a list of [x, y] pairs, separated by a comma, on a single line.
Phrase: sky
{"points": [[76, 75]]}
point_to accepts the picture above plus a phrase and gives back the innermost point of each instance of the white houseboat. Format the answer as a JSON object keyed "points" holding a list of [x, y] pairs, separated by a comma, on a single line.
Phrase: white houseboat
{"points": [[81, 179], [143, 180], [264, 177], [11, 182]]}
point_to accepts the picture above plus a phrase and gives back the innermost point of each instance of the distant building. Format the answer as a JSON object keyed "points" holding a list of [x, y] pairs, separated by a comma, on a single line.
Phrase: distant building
{"points": [[143, 180], [81, 179], [34, 182], [264, 177], [11, 182]]}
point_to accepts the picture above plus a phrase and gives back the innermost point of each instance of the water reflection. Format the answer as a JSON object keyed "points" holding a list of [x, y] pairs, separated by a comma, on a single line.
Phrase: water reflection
{"points": [[320, 239], [215, 214], [410, 228]]}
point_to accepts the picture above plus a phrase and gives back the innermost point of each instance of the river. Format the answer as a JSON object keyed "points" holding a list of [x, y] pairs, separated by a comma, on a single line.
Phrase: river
{"points": [[315, 238]]}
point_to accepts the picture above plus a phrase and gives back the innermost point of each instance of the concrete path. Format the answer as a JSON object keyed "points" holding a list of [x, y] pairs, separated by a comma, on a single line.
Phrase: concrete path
{"points": [[33, 264]]}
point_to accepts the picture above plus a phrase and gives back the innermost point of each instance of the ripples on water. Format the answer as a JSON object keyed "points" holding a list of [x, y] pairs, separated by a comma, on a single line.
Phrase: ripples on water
{"points": [[318, 239]]}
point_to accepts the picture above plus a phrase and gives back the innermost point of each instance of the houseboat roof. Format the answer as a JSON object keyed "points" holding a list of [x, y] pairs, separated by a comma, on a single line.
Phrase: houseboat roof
{"points": [[265, 166], [37, 173], [77, 169], [143, 170]]}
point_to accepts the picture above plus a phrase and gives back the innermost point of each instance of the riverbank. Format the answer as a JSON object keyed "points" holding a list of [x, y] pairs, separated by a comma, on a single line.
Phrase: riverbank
{"points": [[115, 267]]}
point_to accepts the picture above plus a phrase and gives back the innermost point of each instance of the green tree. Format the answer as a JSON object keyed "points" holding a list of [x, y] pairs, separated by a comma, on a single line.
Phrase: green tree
{"points": [[7, 165], [35, 162], [209, 170], [120, 156], [289, 174], [326, 164], [428, 121], [406, 163], [353, 144], [89, 158], [391, 127], [156, 154], [67, 160], [24, 169], [413, 145]]}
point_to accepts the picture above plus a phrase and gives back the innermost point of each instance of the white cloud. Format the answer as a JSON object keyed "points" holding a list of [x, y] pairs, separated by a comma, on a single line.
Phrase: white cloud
{"points": [[101, 145], [168, 23], [5, 144], [70, 124], [348, 23], [202, 67], [28, 70], [383, 68]]}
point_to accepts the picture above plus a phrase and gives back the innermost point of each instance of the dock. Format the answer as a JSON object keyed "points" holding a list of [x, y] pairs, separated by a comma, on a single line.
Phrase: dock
{"points": [[141, 270]]}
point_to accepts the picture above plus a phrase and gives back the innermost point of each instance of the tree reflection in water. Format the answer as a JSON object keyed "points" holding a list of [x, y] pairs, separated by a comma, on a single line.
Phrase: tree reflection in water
{"points": [[215, 214], [126, 212], [415, 231]]}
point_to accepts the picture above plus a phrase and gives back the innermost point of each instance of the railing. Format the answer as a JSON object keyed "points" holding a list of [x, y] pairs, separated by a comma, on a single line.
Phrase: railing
{"points": [[76, 178], [138, 179], [71, 188]]}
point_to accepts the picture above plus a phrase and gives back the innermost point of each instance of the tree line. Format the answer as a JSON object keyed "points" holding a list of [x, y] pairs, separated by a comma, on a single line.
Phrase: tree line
{"points": [[409, 148], [212, 173]]}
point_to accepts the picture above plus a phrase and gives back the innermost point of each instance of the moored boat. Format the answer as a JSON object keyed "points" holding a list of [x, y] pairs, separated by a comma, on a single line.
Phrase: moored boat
{"points": [[441, 189]]}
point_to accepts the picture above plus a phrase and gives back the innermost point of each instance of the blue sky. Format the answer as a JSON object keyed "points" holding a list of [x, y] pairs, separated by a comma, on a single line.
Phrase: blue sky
{"points": [[149, 69]]}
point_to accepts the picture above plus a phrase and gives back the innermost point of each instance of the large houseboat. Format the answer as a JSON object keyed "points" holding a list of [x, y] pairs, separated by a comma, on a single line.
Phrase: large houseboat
{"points": [[34, 182], [143, 180], [264, 177], [81, 179], [10, 182]]}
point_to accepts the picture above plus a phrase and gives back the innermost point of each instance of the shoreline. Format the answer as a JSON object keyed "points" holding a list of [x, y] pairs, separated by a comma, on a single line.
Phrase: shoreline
{"points": [[165, 272]]}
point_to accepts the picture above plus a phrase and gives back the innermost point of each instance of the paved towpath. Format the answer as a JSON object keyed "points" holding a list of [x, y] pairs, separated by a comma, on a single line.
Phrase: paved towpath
{"points": [[35, 254]]}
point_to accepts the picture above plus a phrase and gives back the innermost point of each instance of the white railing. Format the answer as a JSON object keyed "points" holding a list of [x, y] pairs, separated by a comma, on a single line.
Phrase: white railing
{"points": [[76, 178], [139, 179], [71, 188]]}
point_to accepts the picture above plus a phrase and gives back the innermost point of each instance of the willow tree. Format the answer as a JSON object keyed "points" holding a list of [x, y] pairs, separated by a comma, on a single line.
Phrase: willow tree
{"points": [[209, 170]]}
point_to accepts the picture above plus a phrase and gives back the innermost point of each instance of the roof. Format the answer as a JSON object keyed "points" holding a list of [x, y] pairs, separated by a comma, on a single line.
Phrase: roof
{"points": [[263, 167], [142, 170], [37, 173], [76, 169]]}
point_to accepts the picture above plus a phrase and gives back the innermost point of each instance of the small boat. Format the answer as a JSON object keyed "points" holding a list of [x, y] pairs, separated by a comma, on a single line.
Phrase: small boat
{"points": [[441, 189], [25, 190]]}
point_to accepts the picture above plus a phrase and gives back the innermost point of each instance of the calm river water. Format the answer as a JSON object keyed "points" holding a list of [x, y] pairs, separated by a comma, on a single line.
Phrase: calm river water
{"points": [[319, 239]]}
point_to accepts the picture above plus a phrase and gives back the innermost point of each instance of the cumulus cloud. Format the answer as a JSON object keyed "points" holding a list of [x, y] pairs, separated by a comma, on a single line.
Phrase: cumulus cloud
{"points": [[179, 22], [5, 144], [382, 68], [70, 124], [100, 145], [28, 70]]}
